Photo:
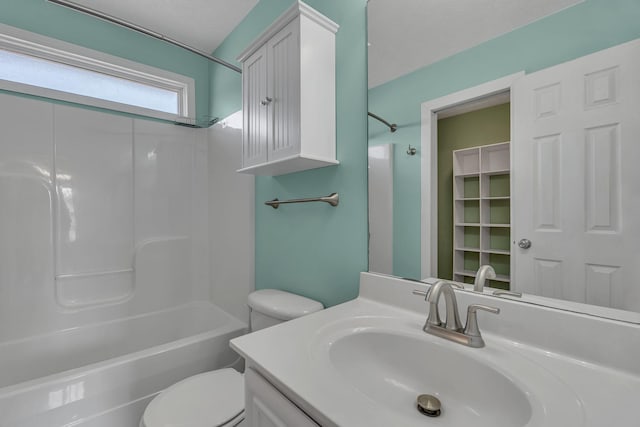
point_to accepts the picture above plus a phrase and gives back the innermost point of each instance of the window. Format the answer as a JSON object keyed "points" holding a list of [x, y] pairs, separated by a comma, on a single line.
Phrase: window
{"points": [[41, 66]]}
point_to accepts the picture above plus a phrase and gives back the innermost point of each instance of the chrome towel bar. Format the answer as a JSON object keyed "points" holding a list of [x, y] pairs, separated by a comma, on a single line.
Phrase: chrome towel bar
{"points": [[333, 199]]}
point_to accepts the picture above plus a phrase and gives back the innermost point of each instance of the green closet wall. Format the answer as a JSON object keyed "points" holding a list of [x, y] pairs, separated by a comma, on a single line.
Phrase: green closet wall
{"points": [[481, 127]]}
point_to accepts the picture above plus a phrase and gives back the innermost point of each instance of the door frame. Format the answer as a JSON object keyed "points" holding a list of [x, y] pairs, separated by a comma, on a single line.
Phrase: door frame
{"points": [[429, 162]]}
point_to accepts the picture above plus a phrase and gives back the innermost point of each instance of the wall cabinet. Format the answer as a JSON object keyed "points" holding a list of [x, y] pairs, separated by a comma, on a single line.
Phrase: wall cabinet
{"points": [[267, 407], [482, 212], [288, 95]]}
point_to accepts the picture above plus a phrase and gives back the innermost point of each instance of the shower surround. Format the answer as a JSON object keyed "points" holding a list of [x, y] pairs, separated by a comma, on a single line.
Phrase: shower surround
{"points": [[104, 263]]}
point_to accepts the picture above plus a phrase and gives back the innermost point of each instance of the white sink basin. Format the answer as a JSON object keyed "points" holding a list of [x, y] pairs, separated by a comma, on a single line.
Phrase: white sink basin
{"points": [[391, 364], [363, 364]]}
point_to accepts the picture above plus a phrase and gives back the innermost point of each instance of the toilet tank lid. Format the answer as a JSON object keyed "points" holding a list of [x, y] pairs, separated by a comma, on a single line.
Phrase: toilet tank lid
{"points": [[282, 305]]}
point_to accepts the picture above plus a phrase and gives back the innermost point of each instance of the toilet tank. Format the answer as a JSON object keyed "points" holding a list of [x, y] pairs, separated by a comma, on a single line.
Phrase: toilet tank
{"points": [[271, 306]]}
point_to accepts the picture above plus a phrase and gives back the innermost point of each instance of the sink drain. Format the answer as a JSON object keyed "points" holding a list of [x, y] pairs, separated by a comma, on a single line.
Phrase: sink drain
{"points": [[429, 405]]}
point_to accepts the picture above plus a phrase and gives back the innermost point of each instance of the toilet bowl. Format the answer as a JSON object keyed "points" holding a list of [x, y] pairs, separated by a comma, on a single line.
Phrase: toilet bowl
{"points": [[210, 399], [216, 398]]}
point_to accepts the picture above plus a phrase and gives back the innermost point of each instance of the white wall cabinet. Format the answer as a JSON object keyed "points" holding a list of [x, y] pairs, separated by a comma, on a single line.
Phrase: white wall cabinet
{"points": [[288, 100], [267, 407]]}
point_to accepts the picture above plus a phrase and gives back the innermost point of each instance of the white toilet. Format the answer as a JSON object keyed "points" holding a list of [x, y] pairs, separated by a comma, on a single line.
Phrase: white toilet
{"points": [[216, 398]]}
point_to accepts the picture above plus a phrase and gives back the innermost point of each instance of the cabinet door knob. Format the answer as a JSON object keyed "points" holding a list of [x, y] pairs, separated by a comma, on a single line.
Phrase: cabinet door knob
{"points": [[266, 101]]}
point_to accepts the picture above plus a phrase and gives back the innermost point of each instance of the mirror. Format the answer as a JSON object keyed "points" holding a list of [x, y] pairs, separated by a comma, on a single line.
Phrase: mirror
{"points": [[454, 186]]}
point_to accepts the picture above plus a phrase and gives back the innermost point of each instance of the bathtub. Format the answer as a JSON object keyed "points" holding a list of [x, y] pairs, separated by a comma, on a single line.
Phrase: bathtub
{"points": [[103, 375]]}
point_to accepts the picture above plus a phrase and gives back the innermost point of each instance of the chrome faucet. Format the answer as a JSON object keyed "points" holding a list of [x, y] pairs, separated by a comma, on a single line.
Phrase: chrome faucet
{"points": [[484, 272], [433, 296], [451, 329]]}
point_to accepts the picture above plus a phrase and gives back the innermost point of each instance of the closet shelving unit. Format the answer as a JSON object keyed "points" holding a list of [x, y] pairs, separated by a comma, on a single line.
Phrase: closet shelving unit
{"points": [[481, 209]]}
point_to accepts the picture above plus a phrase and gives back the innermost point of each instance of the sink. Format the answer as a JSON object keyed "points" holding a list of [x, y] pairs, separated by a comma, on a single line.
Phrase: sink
{"points": [[393, 370], [391, 363], [363, 363]]}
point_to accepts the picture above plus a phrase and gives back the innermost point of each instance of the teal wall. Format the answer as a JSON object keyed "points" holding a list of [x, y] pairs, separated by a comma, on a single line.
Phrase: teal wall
{"points": [[312, 249], [48, 19], [226, 85], [582, 29]]}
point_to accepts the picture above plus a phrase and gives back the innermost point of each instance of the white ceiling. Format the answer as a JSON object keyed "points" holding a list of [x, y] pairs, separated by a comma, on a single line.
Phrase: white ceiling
{"points": [[405, 35], [202, 24]]}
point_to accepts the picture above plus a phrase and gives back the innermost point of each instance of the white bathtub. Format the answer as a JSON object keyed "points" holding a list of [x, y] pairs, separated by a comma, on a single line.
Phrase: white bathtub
{"points": [[103, 375]]}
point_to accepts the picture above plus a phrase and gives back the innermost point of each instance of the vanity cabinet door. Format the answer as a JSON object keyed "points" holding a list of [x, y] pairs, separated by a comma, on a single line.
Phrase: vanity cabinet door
{"points": [[267, 407]]}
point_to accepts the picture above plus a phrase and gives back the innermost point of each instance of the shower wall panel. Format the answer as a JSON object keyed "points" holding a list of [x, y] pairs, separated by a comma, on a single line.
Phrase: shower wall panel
{"points": [[94, 188], [26, 231], [98, 216]]}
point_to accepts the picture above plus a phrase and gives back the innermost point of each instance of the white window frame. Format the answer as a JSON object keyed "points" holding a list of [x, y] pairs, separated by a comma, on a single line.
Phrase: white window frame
{"points": [[38, 46]]}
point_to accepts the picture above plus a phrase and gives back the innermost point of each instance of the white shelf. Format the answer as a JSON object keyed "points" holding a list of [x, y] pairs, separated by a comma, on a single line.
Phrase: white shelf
{"points": [[286, 165], [495, 157], [466, 273], [468, 175], [469, 250], [466, 162], [497, 172], [496, 251], [482, 162]]}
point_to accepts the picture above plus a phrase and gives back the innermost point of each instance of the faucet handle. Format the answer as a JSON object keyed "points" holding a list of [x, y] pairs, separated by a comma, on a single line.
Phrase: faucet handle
{"points": [[471, 328]]}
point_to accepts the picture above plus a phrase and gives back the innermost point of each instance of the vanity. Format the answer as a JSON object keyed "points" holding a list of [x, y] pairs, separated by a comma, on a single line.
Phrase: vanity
{"points": [[366, 361]]}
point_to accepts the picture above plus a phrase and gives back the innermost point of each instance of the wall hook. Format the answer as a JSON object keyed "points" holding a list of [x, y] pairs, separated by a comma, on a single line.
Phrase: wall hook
{"points": [[411, 150]]}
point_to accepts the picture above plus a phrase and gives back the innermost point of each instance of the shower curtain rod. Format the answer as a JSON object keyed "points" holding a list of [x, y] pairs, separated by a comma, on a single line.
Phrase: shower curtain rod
{"points": [[139, 29], [392, 126]]}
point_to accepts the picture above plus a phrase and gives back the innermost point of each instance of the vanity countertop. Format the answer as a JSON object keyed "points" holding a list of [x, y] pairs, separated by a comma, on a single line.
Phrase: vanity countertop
{"points": [[298, 357]]}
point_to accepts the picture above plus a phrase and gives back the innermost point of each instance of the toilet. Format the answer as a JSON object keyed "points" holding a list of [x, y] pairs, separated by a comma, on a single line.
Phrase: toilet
{"points": [[216, 398]]}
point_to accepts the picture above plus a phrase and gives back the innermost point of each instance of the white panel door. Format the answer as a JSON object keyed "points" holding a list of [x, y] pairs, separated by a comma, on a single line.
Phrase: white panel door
{"points": [[284, 91], [576, 179], [255, 105]]}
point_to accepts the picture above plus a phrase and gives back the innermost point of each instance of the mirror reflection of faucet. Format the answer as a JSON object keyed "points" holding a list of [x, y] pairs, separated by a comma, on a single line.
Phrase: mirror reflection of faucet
{"points": [[484, 272], [487, 272]]}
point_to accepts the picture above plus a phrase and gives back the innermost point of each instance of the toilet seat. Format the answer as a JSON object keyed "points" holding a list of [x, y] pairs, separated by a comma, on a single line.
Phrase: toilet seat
{"points": [[211, 399]]}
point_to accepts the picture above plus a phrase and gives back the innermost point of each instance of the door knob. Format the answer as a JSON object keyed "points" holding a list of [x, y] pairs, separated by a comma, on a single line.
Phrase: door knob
{"points": [[524, 243]]}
